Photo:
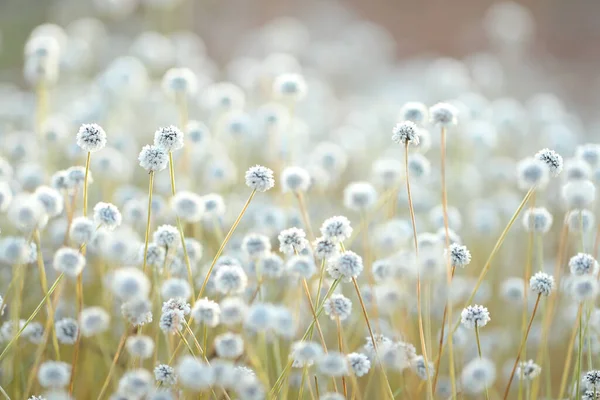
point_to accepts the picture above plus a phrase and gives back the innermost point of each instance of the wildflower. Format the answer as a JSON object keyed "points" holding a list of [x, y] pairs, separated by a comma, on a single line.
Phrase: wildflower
{"points": [[336, 229], [333, 364], [180, 81], [259, 178], [67, 330], [206, 312], [359, 363], [168, 138], [303, 266], [107, 215], [271, 266], [305, 353], [93, 320], [51, 200], [459, 255], [165, 375], [290, 86], [188, 206], [346, 266], [338, 306], [230, 279], [170, 321], [477, 375], [91, 137], [81, 231], [193, 374], [528, 370], [579, 194], [68, 261], [129, 283], [475, 316], [137, 311], [292, 240], [406, 133], [256, 245], [295, 179], [589, 152], [552, 159], [325, 248], [512, 290], [153, 158], [417, 364], [54, 374], [359, 196], [176, 304], [591, 380], [582, 264], [443, 114], [229, 345], [575, 169], [233, 310], [34, 332], [175, 288], [166, 236], [584, 287], [214, 206], [580, 220], [537, 220], [532, 172], [418, 166], [140, 346], [414, 111], [136, 383], [541, 283]]}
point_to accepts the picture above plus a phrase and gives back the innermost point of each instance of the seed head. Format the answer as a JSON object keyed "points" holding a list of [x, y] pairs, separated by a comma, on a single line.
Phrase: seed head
{"points": [[537, 220], [295, 179], [259, 178], [345, 266], [107, 215], [406, 132], [338, 306], [443, 114], [165, 375], [528, 370], [67, 330], [459, 255], [206, 312], [292, 240], [153, 158], [54, 374], [68, 261], [93, 320], [583, 264], [229, 345], [168, 138], [475, 316], [91, 137], [552, 159]]}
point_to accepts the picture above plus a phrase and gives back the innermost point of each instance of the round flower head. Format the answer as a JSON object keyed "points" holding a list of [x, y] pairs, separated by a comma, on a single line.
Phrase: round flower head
{"points": [[34, 332], [259, 178], [578, 194], [155, 256], [129, 283], [303, 266], [188, 206], [325, 248], [292, 240], [81, 231], [512, 290], [54, 374], [214, 206], [68, 261], [194, 375], [338, 306], [140, 346], [532, 172], [51, 200], [153, 158], [417, 364], [76, 177], [165, 375], [359, 363], [579, 220], [67, 330], [107, 215], [229, 345], [443, 114], [180, 82], [175, 288], [359, 196], [583, 264], [171, 321], [584, 287], [552, 159], [91, 137], [93, 320], [6, 196], [230, 279], [590, 153], [590, 395], [459, 255], [206, 312], [537, 220], [136, 383], [345, 266], [406, 133], [473, 316], [26, 213], [233, 310], [415, 112], [576, 169], [166, 236], [591, 380], [477, 375], [387, 172], [256, 245], [528, 370], [541, 283], [137, 311], [333, 364], [290, 86], [336, 229], [168, 138], [418, 166], [271, 266], [295, 179]]}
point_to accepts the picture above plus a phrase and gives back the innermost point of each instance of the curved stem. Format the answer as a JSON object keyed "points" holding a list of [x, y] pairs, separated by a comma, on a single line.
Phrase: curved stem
{"points": [[147, 237]]}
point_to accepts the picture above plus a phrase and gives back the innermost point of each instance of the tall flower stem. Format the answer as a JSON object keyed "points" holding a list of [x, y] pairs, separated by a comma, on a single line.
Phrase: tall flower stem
{"points": [[113, 364], [567, 363], [522, 347], [180, 229], [147, 237], [416, 244], [487, 396]]}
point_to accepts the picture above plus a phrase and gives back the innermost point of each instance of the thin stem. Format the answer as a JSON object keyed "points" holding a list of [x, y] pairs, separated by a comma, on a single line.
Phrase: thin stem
{"points": [[341, 348], [113, 364], [147, 237], [579, 352], [85, 183], [222, 247], [522, 346], [487, 396], [305, 217], [32, 316], [567, 363]]}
